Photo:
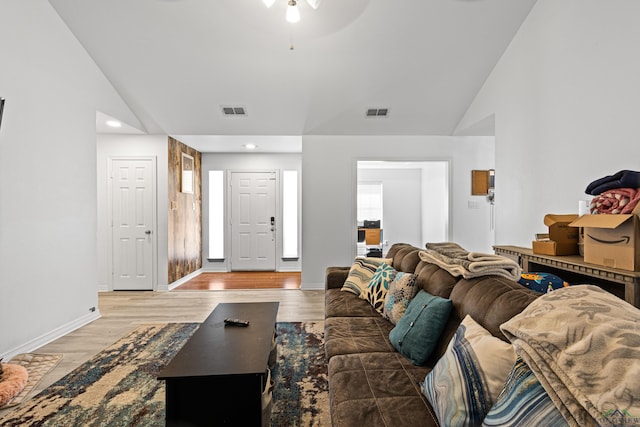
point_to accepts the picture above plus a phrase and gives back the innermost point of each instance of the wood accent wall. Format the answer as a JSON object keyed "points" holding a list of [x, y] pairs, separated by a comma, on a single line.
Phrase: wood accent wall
{"points": [[185, 214]]}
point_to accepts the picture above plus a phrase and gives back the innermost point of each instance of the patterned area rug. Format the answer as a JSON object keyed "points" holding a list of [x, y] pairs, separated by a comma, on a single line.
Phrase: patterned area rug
{"points": [[301, 393], [37, 365], [118, 387]]}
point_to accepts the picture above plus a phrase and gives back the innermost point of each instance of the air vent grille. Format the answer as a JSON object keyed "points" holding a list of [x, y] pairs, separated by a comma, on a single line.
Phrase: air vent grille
{"points": [[377, 112], [234, 111]]}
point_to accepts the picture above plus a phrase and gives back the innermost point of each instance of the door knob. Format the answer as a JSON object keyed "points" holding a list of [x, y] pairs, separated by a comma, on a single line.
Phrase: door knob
{"points": [[147, 231]]}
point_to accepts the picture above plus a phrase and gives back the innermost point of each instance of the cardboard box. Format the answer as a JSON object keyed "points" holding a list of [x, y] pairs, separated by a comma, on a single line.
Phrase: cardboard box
{"points": [[563, 239], [612, 240]]}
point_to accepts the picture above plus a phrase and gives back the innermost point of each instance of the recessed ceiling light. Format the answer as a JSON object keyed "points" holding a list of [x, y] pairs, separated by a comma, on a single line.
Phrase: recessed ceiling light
{"points": [[250, 146], [114, 123]]}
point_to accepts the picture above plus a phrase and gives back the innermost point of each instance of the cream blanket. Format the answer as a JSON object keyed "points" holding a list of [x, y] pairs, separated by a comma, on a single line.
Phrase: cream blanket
{"points": [[459, 262], [583, 345]]}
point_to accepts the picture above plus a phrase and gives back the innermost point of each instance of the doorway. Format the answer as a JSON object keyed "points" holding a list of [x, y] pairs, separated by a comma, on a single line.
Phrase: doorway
{"points": [[253, 221], [414, 198], [133, 207]]}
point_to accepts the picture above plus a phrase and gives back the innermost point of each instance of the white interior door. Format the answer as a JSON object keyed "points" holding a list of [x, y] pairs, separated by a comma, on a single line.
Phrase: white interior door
{"points": [[253, 230], [132, 212]]}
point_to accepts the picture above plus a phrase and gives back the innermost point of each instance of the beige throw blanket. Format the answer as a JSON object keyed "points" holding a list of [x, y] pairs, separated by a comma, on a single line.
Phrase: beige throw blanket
{"points": [[459, 262], [583, 345]]}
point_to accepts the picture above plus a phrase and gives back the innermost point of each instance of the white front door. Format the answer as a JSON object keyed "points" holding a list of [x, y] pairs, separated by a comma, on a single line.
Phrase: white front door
{"points": [[253, 230], [132, 213]]}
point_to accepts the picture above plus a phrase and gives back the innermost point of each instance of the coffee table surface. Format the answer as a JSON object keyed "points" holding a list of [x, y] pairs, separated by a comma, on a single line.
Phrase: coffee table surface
{"points": [[216, 349]]}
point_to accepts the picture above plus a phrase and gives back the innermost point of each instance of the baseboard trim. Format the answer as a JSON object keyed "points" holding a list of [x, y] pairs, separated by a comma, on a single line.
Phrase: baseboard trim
{"points": [[312, 286], [34, 344], [185, 279]]}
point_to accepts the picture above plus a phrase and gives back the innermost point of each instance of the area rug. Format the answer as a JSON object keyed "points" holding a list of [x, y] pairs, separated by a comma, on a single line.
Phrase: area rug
{"points": [[301, 393], [118, 387], [37, 365]]}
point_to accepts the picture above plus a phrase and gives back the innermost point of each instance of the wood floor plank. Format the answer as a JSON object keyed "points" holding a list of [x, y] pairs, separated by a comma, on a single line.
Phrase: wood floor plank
{"points": [[123, 311], [243, 280]]}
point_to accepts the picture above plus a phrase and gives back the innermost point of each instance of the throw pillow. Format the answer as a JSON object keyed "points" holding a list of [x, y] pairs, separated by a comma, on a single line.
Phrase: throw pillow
{"points": [[361, 272], [542, 282], [401, 291], [466, 381], [376, 290], [14, 379], [417, 332], [524, 402]]}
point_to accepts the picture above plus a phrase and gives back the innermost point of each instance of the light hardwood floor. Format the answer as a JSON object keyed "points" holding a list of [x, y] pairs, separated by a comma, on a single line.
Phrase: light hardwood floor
{"points": [[122, 311]]}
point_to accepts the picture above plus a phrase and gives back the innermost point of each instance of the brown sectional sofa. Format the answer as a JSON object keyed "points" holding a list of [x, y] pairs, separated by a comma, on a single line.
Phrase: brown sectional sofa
{"points": [[370, 383]]}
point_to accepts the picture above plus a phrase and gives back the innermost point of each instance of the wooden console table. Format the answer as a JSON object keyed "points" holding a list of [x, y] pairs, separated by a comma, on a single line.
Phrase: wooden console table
{"points": [[573, 269], [218, 376]]}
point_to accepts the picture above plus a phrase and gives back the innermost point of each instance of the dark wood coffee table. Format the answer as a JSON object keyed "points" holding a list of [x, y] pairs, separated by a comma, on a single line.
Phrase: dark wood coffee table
{"points": [[217, 378]]}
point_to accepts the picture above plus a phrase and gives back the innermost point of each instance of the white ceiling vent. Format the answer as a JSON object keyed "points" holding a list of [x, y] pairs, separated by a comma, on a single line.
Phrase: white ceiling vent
{"points": [[377, 112], [234, 111]]}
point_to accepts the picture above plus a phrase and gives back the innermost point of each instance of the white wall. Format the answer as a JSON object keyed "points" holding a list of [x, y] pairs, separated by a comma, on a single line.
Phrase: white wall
{"points": [[246, 162], [329, 192], [566, 97], [402, 202], [47, 176], [109, 146]]}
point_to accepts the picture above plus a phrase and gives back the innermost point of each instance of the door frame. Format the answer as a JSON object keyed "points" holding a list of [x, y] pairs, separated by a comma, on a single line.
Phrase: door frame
{"points": [[154, 216], [278, 210]]}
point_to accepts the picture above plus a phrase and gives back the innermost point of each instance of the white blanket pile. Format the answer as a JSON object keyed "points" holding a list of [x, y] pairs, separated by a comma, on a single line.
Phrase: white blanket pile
{"points": [[583, 345], [459, 262]]}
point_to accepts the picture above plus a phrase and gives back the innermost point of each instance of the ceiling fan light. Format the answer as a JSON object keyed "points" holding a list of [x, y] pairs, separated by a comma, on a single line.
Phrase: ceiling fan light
{"points": [[314, 3], [268, 3], [293, 14]]}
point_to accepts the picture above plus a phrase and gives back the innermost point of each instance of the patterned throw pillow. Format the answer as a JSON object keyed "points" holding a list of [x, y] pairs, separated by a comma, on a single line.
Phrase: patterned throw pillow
{"points": [[418, 331], [361, 273], [401, 291], [524, 402], [542, 282], [466, 381], [376, 290]]}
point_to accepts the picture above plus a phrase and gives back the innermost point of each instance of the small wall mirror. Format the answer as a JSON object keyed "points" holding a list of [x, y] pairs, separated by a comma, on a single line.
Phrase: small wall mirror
{"points": [[482, 182]]}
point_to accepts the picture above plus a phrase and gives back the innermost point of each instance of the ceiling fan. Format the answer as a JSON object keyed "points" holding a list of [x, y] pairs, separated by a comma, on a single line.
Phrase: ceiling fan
{"points": [[293, 14]]}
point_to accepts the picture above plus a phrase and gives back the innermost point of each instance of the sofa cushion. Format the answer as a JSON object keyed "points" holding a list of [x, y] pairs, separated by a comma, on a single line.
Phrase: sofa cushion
{"points": [[377, 389], [467, 380], [490, 300], [405, 259], [434, 279], [361, 272], [523, 401], [347, 335], [346, 304], [376, 291], [418, 330], [401, 291]]}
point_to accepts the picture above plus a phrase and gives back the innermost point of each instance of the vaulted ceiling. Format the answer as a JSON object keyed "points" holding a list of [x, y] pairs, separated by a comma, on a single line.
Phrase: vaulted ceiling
{"points": [[177, 63]]}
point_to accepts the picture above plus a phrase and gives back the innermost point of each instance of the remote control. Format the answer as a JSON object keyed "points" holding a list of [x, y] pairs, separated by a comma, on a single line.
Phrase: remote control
{"points": [[236, 322]]}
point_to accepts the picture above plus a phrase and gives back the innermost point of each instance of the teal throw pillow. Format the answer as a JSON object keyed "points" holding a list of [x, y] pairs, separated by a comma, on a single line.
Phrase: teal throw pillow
{"points": [[417, 332]]}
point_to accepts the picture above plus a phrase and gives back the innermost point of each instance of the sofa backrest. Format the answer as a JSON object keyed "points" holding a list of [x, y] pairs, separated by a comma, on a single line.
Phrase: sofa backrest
{"points": [[490, 300]]}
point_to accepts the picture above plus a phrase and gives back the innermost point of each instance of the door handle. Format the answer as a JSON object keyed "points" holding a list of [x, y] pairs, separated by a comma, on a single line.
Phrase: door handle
{"points": [[147, 231]]}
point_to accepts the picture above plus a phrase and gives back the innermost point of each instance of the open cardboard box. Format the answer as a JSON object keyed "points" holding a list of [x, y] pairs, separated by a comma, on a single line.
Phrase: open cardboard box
{"points": [[563, 239], [612, 240]]}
